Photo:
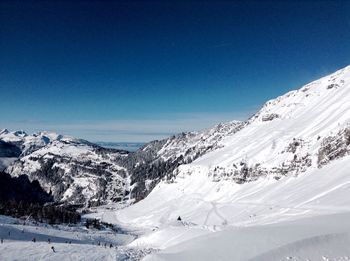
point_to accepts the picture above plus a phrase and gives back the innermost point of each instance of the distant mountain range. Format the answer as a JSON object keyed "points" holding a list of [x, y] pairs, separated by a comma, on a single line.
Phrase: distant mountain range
{"points": [[129, 146]]}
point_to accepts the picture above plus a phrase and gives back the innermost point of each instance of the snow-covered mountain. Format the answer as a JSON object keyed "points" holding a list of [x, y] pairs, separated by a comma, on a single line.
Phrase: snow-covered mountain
{"points": [[73, 170], [304, 128], [290, 161], [79, 172], [29, 143], [16, 144]]}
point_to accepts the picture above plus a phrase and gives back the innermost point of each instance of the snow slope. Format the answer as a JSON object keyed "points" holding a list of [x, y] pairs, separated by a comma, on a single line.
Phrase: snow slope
{"points": [[290, 162], [296, 216], [18, 243], [274, 147], [320, 238], [205, 203], [287, 135]]}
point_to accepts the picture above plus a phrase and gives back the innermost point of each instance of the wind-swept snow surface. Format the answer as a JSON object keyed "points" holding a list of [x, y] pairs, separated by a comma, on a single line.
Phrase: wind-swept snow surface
{"points": [[320, 238]]}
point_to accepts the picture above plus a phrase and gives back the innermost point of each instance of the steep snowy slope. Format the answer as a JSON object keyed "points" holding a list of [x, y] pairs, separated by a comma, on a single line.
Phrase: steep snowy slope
{"points": [[301, 129], [290, 161], [17, 242], [262, 219]]}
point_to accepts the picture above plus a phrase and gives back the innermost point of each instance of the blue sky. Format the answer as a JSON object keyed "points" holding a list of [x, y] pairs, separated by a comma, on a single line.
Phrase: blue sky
{"points": [[141, 70]]}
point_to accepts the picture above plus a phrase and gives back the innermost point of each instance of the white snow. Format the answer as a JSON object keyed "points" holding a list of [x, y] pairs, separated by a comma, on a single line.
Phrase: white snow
{"points": [[321, 238], [295, 217], [303, 216], [311, 112], [18, 243]]}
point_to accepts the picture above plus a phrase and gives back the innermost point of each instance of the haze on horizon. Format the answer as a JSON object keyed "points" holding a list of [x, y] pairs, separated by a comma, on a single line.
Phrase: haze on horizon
{"points": [[143, 70]]}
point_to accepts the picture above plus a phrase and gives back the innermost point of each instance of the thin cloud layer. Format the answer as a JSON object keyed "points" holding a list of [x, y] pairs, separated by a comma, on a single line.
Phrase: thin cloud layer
{"points": [[136, 130]]}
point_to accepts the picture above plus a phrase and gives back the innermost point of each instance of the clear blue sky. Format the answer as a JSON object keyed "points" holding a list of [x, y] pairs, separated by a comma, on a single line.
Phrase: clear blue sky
{"points": [[140, 70]]}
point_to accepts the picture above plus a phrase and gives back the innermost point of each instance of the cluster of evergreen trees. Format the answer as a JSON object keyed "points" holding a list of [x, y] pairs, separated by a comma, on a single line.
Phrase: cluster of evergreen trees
{"points": [[93, 223], [97, 224], [22, 189], [20, 197], [42, 213]]}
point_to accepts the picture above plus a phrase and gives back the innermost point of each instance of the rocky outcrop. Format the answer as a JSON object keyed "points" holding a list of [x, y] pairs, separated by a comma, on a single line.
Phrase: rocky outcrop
{"points": [[334, 147]]}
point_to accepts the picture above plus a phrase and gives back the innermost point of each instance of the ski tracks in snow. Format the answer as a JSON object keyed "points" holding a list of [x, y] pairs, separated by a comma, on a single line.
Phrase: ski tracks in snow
{"points": [[214, 210]]}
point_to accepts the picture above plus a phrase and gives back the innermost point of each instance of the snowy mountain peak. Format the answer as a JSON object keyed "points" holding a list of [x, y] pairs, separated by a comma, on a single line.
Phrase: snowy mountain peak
{"points": [[4, 131], [190, 144], [51, 135], [20, 133], [29, 143], [329, 89], [41, 137]]}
